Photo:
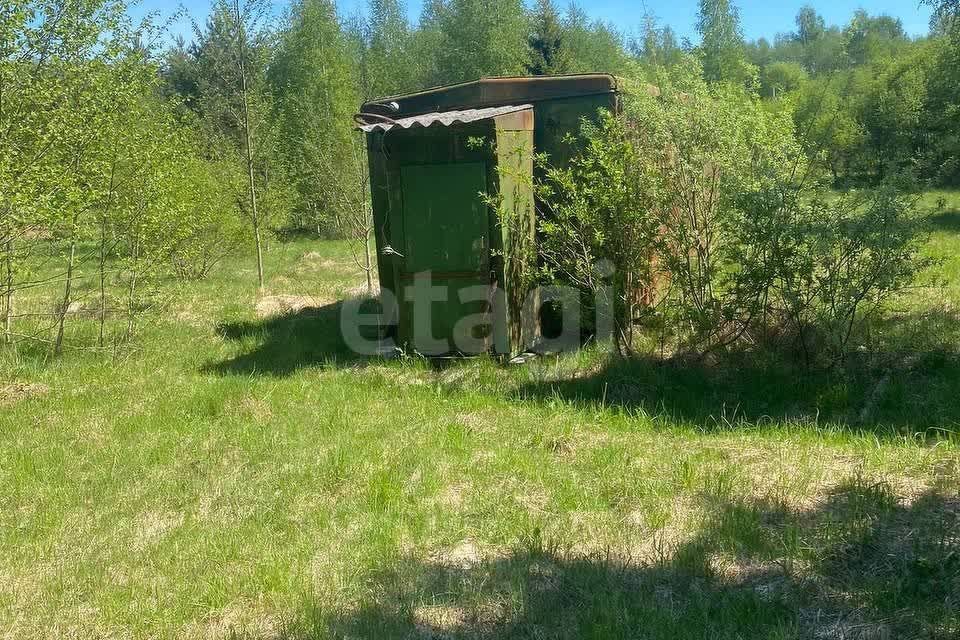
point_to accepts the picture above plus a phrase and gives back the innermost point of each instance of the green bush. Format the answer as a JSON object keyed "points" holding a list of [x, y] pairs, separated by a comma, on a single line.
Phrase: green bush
{"points": [[701, 198]]}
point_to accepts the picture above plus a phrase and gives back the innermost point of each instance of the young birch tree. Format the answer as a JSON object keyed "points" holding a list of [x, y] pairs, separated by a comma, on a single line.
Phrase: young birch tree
{"points": [[44, 45], [242, 68], [232, 55]]}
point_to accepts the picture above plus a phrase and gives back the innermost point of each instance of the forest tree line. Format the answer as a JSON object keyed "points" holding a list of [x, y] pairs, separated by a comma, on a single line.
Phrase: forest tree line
{"points": [[126, 161]]}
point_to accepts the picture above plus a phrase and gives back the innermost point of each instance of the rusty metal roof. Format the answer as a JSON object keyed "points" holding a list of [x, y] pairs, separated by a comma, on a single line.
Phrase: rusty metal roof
{"points": [[493, 92], [372, 122]]}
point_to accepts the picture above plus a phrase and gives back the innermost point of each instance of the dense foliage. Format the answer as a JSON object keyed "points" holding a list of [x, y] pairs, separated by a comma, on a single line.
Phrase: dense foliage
{"points": [[718, 230], [872, 101]]}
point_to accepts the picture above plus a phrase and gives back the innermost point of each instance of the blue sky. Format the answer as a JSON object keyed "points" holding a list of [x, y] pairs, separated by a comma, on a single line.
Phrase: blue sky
{"points": [[760, 17]]}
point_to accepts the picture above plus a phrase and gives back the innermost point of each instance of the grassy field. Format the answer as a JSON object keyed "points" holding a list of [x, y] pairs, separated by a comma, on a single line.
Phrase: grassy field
{"points": [[237, 473]]}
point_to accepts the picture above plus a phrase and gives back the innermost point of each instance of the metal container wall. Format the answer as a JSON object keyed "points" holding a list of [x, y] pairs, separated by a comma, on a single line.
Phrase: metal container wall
{"points": [[444, 166]]}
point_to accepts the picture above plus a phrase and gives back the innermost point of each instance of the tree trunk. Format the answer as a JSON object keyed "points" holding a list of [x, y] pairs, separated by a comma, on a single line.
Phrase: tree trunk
{"points": [[8, 294], [256, 226], [131, 290], [103, 280], [103, 253], [248, 143], [8, 262], [67, 293]]}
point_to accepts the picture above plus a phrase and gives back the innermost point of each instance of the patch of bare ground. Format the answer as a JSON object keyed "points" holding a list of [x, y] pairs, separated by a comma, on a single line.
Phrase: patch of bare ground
{"points": [[277, 305], [456, 376], [453, 496], [398, 375], [313, 261], [318, 259], [448, 621], [251, 408], [190, 318], [660, 544], [13, 392], [465, 555], [479, 421], [472, 421], [442, 620], [361, 292], [240, 619], [765, 578], [439, 620], [151, 527]]}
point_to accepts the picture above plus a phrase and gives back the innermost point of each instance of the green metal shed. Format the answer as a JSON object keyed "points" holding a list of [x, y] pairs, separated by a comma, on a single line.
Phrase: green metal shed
{"points": [[451, 174]]}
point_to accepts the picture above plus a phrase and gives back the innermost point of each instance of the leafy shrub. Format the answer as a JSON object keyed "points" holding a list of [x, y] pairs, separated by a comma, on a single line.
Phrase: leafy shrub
{"points": [[210, 227], [596, 213], [701, 198], [840, 261]]}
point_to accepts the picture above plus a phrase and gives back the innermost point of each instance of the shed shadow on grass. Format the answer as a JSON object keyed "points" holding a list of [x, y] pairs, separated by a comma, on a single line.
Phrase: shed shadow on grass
{"points": [[945, 221], [912, 387], [283, 344], [861, 563]]}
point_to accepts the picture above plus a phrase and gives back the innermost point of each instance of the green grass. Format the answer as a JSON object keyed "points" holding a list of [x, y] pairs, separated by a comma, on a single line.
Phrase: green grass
{"points": [[230, 475], [944, 209]]}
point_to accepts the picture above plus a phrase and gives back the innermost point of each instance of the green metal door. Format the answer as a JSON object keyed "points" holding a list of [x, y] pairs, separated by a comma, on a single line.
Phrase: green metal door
{"points": [[446, 229]]}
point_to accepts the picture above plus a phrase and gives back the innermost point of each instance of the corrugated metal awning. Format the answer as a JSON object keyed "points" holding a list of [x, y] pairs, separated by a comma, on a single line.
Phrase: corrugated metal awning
{"points": [[445, 118]]}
